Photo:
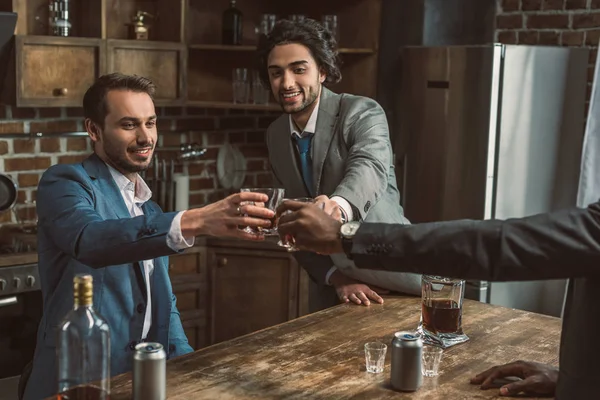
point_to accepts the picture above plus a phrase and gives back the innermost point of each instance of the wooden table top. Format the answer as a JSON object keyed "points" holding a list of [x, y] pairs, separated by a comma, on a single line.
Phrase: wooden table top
{"points": [[321, 356]]}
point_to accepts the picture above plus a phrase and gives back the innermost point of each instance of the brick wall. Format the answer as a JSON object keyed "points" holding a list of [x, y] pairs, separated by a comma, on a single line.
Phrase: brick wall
{"points": [[551, 22], [25, 160]]}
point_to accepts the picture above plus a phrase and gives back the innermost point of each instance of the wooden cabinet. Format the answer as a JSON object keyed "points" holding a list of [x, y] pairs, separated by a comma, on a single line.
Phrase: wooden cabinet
{"points": [[56, 72], [163, 62], [184, 55], [227, 289]]}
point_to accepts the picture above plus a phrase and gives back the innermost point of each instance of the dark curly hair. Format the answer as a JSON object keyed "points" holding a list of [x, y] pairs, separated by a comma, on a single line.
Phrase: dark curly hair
{"points": [[310, 33]]}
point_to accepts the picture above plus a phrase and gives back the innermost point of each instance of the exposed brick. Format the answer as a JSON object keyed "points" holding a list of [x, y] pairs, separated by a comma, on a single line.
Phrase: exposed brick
{"points": [[553, 4], [211, 167], [215, 139], [237, 123], [171, 139], [217, 195], [75, 112], [23, 113], [575, 4], [23, 146], [249, 181], [77, 144], [50, 145], [504, 37], [196, 111], [72, 159], [196, 124], [590, 74], [256, 137], [548, 21], [587, 20], [592, 37], [254, 151], [215, 111], [595, 4], [163, 124], [5, 217], [22, 196], [509, 21], [528, 37], [53, 126], [255, 165], [549, 38], [197, 199], [3, 147], [196, 169], [237, 137], [172, 111], [572, 38], [26, 164], [49, 112], [211, 153], [264, 180], [510, 5], [592, 56], [202, 183], [26, 214], [27, 180], [11, 127], [531, 5], [264, 122]]}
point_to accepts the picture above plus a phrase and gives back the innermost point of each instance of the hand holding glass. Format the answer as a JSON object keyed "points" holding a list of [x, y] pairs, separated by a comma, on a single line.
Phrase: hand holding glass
{"points": [[288, 240], [275, 197]]}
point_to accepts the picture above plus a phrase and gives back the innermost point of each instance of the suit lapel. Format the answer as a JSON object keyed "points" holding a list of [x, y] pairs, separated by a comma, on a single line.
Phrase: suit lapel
{"points": [[329, 105], [284, 158], [106, 185]]}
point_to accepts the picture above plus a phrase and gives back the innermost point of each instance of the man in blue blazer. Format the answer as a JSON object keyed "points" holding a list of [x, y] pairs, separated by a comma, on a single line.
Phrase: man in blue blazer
{"points": [[97, 218]]}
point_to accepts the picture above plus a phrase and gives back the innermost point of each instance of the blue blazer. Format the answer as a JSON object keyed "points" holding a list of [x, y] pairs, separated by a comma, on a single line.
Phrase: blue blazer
{"points": [[84, 227]]}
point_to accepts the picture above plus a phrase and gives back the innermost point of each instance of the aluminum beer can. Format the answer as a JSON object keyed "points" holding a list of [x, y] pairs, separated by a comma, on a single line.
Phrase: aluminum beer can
{"points": [[407, 349], [149, 372]]}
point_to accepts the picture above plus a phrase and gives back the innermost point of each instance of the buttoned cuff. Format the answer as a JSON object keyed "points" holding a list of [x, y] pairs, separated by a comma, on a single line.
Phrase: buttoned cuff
{"points": [[345, 205], [175, 239]]}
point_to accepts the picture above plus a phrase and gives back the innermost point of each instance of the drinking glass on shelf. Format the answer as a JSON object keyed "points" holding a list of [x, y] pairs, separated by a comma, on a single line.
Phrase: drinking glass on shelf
{"points": [[267, 22], [260, 95], [241, 86], [441, 311], [330, 22], [275, 197], [288, 240], [297, 17]]}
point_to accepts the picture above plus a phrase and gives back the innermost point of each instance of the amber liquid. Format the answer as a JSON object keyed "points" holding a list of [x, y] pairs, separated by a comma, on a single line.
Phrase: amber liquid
{"points": [[441, 316], [84, 393]]}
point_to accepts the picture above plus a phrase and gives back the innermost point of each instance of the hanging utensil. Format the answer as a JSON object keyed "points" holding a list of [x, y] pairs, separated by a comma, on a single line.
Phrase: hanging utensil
{"points": [[8, 192]]}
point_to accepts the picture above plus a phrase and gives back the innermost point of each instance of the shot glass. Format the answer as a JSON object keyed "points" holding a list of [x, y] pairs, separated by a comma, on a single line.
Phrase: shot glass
{"points": [[375, 356], [432, 356], [288, 240], [275, 197]]}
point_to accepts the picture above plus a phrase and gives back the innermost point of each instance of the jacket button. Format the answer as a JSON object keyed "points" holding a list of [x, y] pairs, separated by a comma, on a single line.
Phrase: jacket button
{"points": [[367, 206], [140, 308]]}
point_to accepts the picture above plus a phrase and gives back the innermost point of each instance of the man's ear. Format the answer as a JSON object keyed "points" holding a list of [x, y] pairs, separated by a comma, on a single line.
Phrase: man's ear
{"points": [[322, 75], [92, 129]]}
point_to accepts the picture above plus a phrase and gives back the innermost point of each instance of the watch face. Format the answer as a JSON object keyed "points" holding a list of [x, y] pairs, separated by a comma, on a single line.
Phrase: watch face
{"points": [[350, 228]]}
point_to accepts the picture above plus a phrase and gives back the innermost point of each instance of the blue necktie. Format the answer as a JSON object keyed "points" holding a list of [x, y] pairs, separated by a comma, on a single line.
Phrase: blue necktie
{"points": [[305, 160]]}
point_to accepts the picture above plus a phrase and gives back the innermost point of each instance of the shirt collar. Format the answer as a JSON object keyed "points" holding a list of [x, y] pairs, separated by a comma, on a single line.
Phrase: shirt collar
{"points": [[142, 192], [311, 125]]}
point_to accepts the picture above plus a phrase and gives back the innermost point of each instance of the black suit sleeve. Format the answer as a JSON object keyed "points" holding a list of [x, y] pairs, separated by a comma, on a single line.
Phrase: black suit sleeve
{"points": [[562, 244]]}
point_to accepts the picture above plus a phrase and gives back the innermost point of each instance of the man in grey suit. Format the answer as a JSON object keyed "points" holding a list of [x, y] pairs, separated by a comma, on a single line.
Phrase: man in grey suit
{"points": [[332, 147]]}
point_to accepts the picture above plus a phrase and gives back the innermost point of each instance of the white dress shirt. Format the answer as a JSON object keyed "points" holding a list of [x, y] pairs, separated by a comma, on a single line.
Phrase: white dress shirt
{"points": [[311, 126], [134, 197]]}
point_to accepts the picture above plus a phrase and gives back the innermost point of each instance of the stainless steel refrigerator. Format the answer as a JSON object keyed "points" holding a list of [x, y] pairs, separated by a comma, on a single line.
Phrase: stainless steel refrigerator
{"points": [[492, 131]]}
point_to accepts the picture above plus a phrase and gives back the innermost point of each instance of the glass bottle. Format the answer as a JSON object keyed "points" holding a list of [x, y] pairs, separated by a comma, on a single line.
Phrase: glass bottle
{"points": [[83, 348], [232, 25]]}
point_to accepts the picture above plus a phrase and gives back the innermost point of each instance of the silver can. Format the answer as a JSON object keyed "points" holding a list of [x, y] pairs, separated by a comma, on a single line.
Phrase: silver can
{"points": [[149, 372], [407, 350]]}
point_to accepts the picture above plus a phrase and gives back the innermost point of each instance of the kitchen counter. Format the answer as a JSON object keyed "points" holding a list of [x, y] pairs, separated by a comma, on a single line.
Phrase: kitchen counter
{"points": [[321, 356]]}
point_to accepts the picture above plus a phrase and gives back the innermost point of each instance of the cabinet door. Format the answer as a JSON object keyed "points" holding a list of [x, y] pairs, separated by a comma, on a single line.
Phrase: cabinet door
{"points": [[164, 63], [189, 280], [54, 71], [250, 290]]}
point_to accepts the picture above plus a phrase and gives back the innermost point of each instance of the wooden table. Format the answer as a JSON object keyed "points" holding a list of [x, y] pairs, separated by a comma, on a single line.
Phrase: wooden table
{"points": [[321, 356]]}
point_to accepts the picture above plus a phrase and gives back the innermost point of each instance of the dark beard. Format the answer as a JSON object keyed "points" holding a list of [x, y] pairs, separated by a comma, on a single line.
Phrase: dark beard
{"points": [[121, 162]]}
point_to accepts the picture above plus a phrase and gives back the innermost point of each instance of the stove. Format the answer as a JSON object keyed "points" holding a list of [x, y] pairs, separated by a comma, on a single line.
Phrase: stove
{"points": [[18, 279]]}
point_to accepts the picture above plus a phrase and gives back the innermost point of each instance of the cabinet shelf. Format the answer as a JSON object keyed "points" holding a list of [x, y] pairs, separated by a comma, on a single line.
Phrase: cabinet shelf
{"points": [[221, 47], [228, 105]]}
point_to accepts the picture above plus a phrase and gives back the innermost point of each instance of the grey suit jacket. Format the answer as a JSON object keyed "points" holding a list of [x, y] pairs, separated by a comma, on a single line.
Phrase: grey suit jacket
{"points": [[352, 158], [562, 244]]}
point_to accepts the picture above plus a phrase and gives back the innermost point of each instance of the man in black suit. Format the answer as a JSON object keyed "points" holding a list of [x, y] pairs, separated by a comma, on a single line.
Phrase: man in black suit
{"points": [[561, 244]]}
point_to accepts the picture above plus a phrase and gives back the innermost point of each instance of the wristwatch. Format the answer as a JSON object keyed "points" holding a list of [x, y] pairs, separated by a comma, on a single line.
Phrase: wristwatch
{"points": [[347, 232]]}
